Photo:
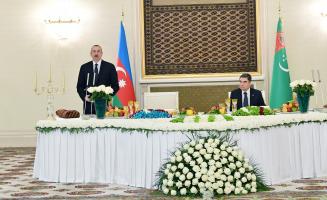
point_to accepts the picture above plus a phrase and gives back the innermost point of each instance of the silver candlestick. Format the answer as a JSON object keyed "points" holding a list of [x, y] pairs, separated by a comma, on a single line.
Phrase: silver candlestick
{"points": [[50, 90]]}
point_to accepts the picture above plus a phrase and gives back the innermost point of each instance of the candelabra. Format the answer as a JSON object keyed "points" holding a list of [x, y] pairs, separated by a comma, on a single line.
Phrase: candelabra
{"points": [[50, 91]]}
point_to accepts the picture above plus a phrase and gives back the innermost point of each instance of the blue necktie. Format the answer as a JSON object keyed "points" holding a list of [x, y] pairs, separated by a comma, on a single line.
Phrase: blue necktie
{"points": [[246, 100]]}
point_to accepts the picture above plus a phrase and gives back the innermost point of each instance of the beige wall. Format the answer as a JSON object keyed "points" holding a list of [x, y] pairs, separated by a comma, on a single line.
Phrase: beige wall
{"points": [[27, 47]]}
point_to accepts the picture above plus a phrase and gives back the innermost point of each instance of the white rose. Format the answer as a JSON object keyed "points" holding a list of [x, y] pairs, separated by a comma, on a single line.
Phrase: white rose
{"points": [[213, 168], [109, 90], [173, 192], [90, 89], [249, 176], [218, 164], [227, 190], [198, 146], [217, 175], [237, 175], [301, 82], [204, 171], [185, 155], [189, 175], [250, 168], [254, 184], [196, 168], [204, 178], [223, 177], [182, 177], [230, 158], [196, 154], [198, 174], [190, 150], [229, 149], [177, 174], [180, 166], [185, 170], [186, 146], [164, 182], [166, 171], [206, 145], [203, 151], [238, 164], [168, 166], [195, 181], [199, 160], [173, 159], [173, 168], [216, 157], [207, 156], [215, 186], [211, 179], [183, 191], [237, 191], [230, 178], [238, 184], [201, 141], [240, 157], [254, 178], [222, 147], [194, 190], [188, 159], [208, 185], [102, 88], [192, 143], [170, 183], [179, 158], [253, 190], [244, 191], [246, 165], [220, 191], [224, 161], [242, 170], [216, 151], [210, 150], [170, 176], [232, 166], [227, 171], [224, 154], [210, 140], [220, 184], [201, 185], [211, 162], [234, 153], [166, 191], [248, 186], [192, 163], [244, 180]]}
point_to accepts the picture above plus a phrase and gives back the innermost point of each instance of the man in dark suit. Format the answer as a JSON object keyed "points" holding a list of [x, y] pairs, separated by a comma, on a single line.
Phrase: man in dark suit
{"points": [[94, 73], [245, 95]]}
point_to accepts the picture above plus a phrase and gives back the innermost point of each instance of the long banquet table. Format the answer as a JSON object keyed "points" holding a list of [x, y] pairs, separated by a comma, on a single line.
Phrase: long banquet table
{"points": [[130, 152]]}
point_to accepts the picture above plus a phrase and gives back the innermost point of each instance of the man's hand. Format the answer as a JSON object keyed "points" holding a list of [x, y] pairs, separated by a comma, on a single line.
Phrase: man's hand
{"points": [[87, 98]]}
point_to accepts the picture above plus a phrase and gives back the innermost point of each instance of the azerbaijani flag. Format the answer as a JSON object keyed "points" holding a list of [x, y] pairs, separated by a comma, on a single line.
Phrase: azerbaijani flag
{"points": [[280, 90], [123, 68]]}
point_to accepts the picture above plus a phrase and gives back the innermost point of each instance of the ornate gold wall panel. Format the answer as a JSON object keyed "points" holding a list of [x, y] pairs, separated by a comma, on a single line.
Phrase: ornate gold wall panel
{"points": [[200, 97], [207, 39]]}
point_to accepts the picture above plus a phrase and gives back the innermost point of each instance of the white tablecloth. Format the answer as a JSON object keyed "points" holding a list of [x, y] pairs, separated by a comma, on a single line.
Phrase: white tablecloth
{"points": [[133, 158]]}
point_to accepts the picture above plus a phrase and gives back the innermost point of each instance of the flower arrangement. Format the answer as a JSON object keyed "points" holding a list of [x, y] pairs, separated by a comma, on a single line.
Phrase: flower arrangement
{"points": [[253, 111], [303, 87], [209, 164], [150, 114], [101, 92]]}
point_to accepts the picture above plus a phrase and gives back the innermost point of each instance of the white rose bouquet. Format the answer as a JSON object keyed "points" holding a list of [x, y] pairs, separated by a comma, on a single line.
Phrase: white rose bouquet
{"points": [[303, 87], [211, 165], [101, 92]]}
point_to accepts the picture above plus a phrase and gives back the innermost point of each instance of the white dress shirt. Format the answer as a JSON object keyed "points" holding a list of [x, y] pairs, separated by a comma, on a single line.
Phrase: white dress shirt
{"points": [[99, 65], [247, 94]]}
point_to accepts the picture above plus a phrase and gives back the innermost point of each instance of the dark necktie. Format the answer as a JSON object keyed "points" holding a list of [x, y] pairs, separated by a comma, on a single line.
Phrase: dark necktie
{"points": [[246, 100], [96, 71]]}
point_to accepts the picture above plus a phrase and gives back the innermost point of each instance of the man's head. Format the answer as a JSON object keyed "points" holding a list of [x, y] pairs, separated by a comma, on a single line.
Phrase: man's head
{"points": [[96, 53], [245, 81]]}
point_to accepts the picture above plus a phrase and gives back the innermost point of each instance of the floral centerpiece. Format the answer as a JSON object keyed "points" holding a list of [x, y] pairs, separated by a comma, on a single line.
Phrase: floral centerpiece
{"points": [[209, 164], [150, 114], [303, 89], [100, 95]]}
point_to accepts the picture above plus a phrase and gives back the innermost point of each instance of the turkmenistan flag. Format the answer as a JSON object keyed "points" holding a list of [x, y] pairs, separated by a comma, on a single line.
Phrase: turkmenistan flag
{"points": [[280, 91], [123, 68]]}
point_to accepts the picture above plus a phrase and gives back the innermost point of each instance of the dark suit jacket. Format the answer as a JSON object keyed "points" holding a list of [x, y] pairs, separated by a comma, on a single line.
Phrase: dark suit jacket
{"points": [[107, 76], [255, 97]]}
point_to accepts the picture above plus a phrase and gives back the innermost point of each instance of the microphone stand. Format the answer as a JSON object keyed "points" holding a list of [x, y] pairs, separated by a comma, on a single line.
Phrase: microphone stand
{"points": [[87, 84]]}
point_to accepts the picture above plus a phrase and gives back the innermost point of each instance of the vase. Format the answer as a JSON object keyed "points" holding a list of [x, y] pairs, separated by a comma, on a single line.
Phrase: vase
{"points": [[100, 108], [303, 103]]}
